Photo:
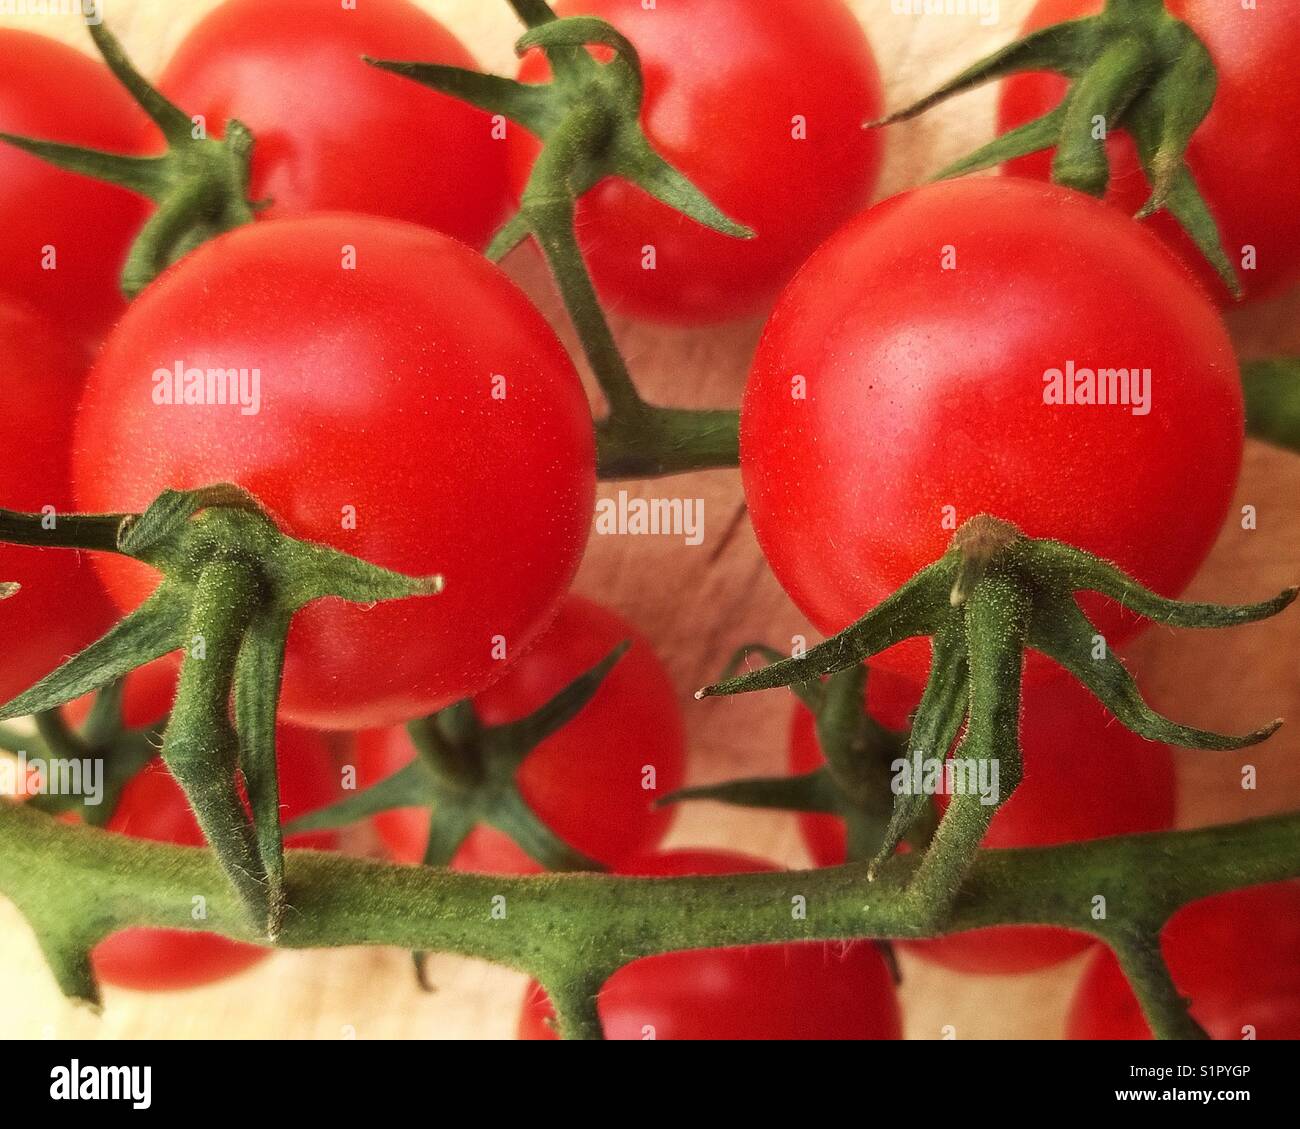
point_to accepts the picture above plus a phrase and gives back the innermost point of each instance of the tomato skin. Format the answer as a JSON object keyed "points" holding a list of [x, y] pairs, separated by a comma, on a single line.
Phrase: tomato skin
{"points": [[377, 399], [154, 807], [1234, 154], [1236, 956], [1086, 777], [61, 606], [334, 134], [925, 390], [584, 781], [797, 991], [56, 93], [703, 61]]}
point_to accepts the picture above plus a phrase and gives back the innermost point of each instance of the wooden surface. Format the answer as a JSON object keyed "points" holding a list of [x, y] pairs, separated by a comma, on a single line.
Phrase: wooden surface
{"points": [[697, 604]]}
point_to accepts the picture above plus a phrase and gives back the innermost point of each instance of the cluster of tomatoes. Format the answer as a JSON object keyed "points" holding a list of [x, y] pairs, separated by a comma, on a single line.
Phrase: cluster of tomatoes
{"points": [[416, 411]]}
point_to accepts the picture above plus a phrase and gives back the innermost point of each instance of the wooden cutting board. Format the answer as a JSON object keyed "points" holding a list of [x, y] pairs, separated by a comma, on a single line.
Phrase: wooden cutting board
{"points": [[698, 604]]}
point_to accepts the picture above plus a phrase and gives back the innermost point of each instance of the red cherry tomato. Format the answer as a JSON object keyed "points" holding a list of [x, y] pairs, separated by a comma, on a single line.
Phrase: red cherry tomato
{"points": [[892, 398], [1236, 152], [1235, 956], [334, 134], [61, 606], [154, 807], [761, 106], [1086, 777], [415, 411], [64, 238], [805, 990], [586, 781]]}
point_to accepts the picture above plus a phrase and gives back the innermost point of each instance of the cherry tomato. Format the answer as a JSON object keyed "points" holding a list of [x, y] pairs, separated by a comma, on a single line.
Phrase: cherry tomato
{"points": [[1235, 956], [900, 388], [415, 411], [1235, 153], [334, 134], [585, 781], [761, 106], [154, 807], [805, 990], [64, 238], [61, 606], [1085, 777]]}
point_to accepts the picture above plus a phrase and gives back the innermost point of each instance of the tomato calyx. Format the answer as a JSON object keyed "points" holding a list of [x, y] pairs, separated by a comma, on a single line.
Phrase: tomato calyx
{"points": [[588, 118], [465, 774], [991, 596], [232, 583], [200, 183], [104, 737], [1134, 66], [853, 785]]}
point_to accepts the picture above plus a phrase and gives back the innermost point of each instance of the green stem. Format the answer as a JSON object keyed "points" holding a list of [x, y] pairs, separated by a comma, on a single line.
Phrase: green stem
{"points": [[651, 442], [66, 531], [76, 885]]}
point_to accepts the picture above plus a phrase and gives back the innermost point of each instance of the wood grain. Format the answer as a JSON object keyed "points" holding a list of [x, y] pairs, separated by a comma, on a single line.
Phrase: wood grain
{"points": [[697, 604]]}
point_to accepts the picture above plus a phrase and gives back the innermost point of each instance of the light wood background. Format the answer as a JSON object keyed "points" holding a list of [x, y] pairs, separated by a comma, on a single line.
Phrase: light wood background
{"points": [[697, 604]]}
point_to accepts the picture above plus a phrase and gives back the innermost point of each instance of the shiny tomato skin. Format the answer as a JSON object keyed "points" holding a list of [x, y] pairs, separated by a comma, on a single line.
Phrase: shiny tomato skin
{"points": [[154, 807], [333, 133], [1235, 956], [806, 990], [585, 782], [416, 412], [61, 606], [1234, 155], [724, 81], [1086, 777], [56, 93], [925, 396]]}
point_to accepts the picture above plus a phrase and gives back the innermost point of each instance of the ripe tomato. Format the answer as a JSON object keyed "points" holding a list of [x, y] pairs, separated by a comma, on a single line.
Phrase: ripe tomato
{"points": [[415, 411], [333, 134], [586, 781], [154, 807], [1234, 155], [1086, 777], [64, 238], [61, 606], [761, 106], [892, 398], [805, 990], [1236, 956]]}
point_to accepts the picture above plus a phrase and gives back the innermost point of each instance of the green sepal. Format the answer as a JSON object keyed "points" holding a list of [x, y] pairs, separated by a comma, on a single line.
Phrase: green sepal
{"points": [[1133, 67], [200, 184], [917, 608], [465, 773]]}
